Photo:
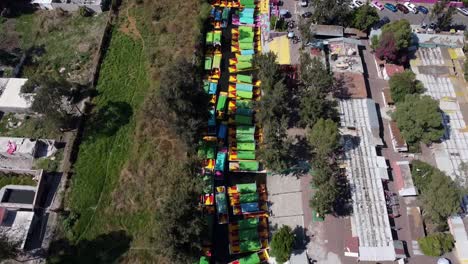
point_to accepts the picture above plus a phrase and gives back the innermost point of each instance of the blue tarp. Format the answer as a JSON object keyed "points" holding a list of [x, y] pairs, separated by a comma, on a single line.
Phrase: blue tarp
{"points": [[222, 131], [249, 207], [220, 161], [244, 87], [213, 88], [247, 52]]}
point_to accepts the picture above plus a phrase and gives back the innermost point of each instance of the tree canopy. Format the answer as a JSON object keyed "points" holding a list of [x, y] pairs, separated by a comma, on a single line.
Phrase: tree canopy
{"points": [[282, 243], [436, 244], [183, 99], [51, 100], [331, 12], [419, 119], [324, 198], [324, 137], [404, 83], [316, 83], [272, 113], [401, 31], [364, 17], [439, 194], [443, 14]]}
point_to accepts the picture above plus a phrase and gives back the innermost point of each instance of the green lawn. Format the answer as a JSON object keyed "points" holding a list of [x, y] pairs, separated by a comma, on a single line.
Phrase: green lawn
{"points": [[123, 78], [16, 179]]}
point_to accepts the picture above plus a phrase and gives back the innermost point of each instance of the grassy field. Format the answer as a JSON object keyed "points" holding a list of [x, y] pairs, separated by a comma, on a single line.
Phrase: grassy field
{"points": [[57, 40], [123, 78], [119, 178], [16, 179]]}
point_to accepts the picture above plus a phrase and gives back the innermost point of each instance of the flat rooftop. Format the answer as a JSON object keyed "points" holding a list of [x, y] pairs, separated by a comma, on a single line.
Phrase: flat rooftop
{"points": [[353, 84], [11, 96], [344, 55], [365, 171], [16, 225], [439, 71]]}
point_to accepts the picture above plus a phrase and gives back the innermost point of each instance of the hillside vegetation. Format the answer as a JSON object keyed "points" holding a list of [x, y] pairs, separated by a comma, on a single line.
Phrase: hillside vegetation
{"points": [[134, 172]]}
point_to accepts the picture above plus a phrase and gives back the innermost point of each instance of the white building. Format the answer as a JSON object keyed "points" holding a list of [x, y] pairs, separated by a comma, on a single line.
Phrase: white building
{"points": [[11, 98], [17, 153], [459, 229], [365, 171], [69, 5]]}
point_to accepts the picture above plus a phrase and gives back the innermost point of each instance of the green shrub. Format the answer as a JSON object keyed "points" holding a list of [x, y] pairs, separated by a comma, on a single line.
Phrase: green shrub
{"points": [[436, 244], [281, 244]]}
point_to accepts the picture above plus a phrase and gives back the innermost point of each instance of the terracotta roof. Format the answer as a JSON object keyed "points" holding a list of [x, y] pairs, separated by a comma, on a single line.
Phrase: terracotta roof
{"points": [[353, 84], [400, 142], [391, 69], [2, 214], [398, 177]]}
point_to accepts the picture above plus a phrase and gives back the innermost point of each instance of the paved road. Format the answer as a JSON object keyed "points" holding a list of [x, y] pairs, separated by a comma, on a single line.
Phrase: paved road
{"points": [[417, 19]]}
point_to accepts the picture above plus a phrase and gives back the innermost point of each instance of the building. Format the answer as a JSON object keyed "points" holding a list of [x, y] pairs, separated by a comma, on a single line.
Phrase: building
{"points": [[69, 5], [11, 97], [327, 31], [366, 172], [403, 179], [17, 153], [344, 55], [391, 69], [440, 71], [459, 229]]}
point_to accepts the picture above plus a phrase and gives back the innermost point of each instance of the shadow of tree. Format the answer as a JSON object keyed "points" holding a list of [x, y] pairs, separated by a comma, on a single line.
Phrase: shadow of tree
{"points": [[106, 248], [109, 119]]}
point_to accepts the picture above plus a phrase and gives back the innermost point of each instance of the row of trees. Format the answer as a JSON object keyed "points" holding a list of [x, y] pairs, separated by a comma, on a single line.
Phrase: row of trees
{"points": [[272, 114], [418, 117], [318, 115]]}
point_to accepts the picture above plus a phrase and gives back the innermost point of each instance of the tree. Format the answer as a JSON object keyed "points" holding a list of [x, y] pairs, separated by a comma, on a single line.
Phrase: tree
{"points": [[50, 100], [268, 69], [441, 199], [8, 248], [324, 198], [419, 119], [313, 106], [404, 83], [282, 243], [364, 17], [436, 244], [314, 74], [443, 14], [184, 101], [324, 137], [331, 12], [401, 31], [374, 42], [387, 49]]}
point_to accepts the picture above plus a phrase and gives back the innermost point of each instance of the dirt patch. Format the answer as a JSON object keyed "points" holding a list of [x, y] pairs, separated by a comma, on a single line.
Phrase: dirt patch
{"points": [[129, 27], [10, 38]]}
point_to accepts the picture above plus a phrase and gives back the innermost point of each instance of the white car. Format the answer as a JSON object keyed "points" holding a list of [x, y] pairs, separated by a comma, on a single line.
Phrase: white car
{"points": [[463, 10], [304, 3], [357, 3], [411, 7]]}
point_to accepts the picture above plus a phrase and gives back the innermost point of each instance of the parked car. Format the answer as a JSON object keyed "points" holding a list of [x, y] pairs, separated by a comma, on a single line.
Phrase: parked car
{"points": [[463, 10], [411, 7], [391, 7], [381, 23], [402, 8], [358, 3], [307, 14], [423, 9], [304, 3], [377, 5]]}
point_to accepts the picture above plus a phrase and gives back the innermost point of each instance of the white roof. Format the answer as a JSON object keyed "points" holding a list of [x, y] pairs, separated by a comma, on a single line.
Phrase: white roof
{"points": [[18, 231], [24, 146], [365, 171], [10, 94], [41, 2], [459, 232]]}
